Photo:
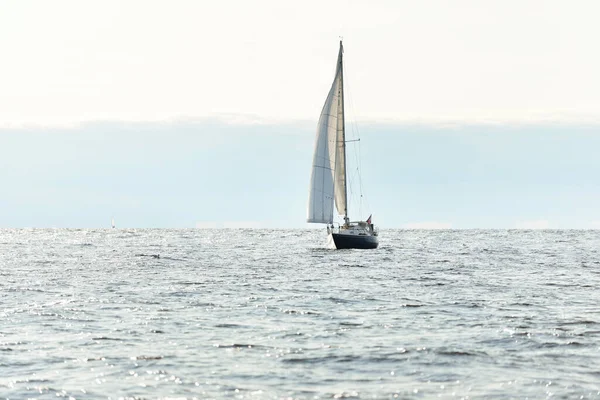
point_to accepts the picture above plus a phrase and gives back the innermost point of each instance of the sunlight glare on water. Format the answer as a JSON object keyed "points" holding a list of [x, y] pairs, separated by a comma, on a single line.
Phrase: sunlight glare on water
{"points": [[277, 314]]}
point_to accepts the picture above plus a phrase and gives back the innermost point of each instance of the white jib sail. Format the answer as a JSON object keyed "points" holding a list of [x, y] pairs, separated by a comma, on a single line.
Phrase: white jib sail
{"points": [[322, 186]]}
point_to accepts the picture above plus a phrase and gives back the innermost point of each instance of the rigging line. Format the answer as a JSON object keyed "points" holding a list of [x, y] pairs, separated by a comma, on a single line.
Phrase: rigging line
{"points": [[357, 154], [356, 199]]}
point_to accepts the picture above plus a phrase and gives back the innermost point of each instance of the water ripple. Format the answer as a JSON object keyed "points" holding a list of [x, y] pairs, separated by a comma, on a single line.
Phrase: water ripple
{"points": [[271, 314]]}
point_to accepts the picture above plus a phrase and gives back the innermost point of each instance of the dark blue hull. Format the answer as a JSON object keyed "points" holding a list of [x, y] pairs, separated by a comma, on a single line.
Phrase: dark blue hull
{"points": [[355, 241]]}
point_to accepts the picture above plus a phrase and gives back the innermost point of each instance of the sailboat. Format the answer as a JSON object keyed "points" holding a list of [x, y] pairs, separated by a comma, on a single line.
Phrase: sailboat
{"points": [[328, 182], [112, 222]]}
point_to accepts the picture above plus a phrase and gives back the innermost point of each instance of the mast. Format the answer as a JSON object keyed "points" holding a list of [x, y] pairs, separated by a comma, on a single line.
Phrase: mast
{"points": [[346, 219]]}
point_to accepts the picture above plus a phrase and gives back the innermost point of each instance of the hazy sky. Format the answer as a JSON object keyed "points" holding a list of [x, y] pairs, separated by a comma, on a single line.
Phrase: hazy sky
{"points": [[472, 113], [210, 173], [66, 60]]}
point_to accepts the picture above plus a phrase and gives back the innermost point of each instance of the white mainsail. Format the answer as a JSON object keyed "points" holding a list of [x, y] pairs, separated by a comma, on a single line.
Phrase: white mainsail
{"points": [[328, 178], [341, 202]]}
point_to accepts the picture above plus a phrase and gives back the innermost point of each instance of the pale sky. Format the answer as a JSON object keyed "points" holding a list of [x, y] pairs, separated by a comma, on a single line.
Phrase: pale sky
{"points": [[65, 61]]}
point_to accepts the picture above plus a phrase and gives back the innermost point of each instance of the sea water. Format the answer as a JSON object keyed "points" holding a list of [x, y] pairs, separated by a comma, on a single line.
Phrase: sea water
{"points": [[270, 314]]}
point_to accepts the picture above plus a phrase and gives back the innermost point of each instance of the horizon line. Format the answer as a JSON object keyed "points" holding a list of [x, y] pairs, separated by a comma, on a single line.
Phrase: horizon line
{"points": [[297, 228]]}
